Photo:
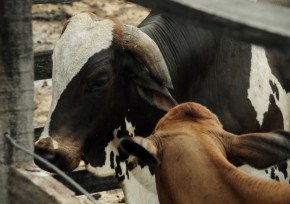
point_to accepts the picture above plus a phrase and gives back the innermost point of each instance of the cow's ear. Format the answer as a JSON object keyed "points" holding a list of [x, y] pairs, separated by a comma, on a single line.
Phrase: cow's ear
{"points": [[140, 147], [152, 92], [260, 150]]}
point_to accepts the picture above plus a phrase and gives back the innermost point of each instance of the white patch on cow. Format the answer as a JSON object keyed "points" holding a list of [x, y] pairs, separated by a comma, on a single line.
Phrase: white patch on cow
{"points": [[262, 173], [44, 134], [54, 144], [280, 175], [260, 90], [129, 127], [140, 187], [106, 169], [76, 45]]}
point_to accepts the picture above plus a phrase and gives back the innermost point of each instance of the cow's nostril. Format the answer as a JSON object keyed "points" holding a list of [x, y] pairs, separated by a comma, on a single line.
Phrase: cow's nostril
{"points": [[54, 157], [49, 156], [45, 154]]}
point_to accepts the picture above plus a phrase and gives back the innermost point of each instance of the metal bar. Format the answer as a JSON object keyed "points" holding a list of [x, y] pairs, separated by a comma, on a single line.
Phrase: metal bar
{"points": [[260, 23]]}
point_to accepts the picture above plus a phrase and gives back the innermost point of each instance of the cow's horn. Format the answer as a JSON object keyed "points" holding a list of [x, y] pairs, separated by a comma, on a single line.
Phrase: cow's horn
{"points": [[133, 39]]}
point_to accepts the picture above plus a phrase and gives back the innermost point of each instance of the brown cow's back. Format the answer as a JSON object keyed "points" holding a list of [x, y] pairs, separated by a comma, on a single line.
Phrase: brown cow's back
{"points": [[202, 174]]}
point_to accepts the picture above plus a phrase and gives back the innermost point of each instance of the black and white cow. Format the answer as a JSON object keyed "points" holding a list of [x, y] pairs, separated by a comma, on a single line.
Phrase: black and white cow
{"points": [[111, 80]]}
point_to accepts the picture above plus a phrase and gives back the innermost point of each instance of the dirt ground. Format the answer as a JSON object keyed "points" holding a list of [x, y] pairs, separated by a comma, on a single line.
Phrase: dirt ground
{"points": [[48, 20]]}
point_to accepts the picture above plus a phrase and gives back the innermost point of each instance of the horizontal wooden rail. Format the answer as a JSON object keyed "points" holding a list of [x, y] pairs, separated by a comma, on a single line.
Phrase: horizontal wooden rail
{"points": [[260, 23], [31, 185]]}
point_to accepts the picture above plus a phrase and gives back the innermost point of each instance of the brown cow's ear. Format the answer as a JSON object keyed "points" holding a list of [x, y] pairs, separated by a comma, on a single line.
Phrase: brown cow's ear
{"points": [[260, 150], [140, 147], [152, 92]]}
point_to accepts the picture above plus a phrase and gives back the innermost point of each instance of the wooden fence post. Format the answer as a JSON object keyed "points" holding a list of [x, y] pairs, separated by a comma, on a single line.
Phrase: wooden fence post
{"points": [[16, 85]]}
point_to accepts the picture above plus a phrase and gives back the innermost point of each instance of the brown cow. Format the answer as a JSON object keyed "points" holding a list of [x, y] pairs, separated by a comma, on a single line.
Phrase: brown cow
{"points": [[196, 157]]}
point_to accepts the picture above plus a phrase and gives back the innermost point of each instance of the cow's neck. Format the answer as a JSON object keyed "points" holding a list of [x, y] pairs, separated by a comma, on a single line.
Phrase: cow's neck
{"points": [[223, 89], [137, 181], [186, 48], [144, 118]]}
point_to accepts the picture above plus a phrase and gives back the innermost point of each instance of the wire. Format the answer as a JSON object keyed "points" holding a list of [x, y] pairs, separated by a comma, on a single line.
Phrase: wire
{"points": [[57, 170]]}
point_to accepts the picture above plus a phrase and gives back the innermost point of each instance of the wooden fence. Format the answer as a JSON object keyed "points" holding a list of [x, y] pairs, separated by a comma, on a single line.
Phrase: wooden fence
{"points": [[259, 23]]}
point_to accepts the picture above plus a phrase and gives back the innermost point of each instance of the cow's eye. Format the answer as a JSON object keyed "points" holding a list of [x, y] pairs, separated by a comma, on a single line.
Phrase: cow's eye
{"points": [[97, 83]]}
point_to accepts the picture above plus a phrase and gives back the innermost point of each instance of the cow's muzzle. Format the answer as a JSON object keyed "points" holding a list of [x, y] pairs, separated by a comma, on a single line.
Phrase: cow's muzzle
{"points": [[64, 156]]}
